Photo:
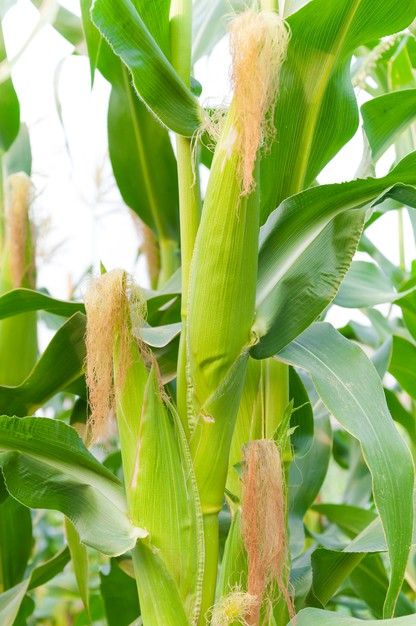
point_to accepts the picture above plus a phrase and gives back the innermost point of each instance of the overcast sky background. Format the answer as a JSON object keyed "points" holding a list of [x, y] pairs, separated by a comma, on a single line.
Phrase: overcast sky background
{"points": [[78, 210]]}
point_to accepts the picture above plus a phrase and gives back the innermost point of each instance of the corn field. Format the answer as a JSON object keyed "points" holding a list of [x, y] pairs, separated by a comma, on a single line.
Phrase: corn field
{"points": [[212, 449]]}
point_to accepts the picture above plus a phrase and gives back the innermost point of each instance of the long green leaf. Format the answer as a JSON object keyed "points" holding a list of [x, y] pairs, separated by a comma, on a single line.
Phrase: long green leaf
{"points": [[317, 112], [46, 465], [366, 285], [119, 593], [12, 599], [79, 558], [351, 389], [24, 300], [154, 78], [386, 117], [317, 617], [9, 107], [402, 364], [305, 252], [60, 365], [10, 602], [306, 476], [142, 158], [16, 542]]}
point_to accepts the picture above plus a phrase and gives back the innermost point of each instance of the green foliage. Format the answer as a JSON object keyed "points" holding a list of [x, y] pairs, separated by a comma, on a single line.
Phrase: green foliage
{"points": [[147, 526]]}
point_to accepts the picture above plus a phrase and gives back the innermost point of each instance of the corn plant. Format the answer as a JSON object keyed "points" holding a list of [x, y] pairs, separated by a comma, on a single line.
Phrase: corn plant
{"points": [[229, 457]]}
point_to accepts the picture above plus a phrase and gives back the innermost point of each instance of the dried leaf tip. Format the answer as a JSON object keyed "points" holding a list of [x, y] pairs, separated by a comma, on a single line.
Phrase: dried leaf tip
{"points": [[264, 525], [114, 306], [259, 42]]}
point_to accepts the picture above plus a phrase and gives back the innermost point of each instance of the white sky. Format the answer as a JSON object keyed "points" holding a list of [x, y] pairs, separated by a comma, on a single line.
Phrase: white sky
{"points": [[80, 214]]}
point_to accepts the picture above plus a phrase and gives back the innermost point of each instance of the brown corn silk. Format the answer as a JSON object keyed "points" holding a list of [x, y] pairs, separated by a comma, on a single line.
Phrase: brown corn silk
{"points": [[112, 303], [17, 234], [259, 42], [264, 525]]}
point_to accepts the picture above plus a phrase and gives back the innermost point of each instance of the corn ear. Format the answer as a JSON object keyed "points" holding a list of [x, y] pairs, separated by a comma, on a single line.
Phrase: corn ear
{"points": [[160, 486], [233, 572], [159, 481], [263, 406], [221, 310], [18, 334]]}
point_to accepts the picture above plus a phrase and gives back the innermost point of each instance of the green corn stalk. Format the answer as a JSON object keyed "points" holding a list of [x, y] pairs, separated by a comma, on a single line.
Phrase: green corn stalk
{"points": [[18, 334]]}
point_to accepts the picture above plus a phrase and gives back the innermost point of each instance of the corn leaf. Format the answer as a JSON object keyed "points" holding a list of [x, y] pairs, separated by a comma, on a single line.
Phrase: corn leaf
{"points": [[366, 285], [46, 465], [79, 558], [9, 107], [306, 476], [317, 617], [344, 377], [386, 117], [369, 581], [154, 78], [16, 541], [307, 246], [25, 300], [10, 602], [317, 112], [119, 594], [332, 566], [141, 154], [66, 24], [210, 23], [402, 364], [142, 159], [60, 365]]}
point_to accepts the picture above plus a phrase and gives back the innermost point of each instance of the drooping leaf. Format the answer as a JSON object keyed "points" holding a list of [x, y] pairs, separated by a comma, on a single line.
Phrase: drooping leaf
{"points": [[351, 389], [46, 465], [386, 117], [154, 78], [365, 285], [306, 248], [24, 300], [60, 365]]}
